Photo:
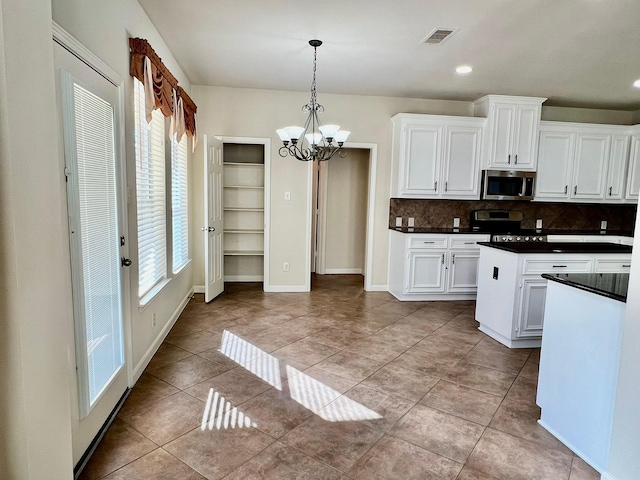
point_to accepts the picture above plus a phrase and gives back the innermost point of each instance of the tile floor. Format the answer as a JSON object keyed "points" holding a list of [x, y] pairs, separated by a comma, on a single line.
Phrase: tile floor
{"points": [[334, 384]]}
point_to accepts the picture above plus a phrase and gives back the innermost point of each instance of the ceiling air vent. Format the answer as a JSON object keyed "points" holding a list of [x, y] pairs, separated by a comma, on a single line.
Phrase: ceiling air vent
{"points": [[439, 36]]}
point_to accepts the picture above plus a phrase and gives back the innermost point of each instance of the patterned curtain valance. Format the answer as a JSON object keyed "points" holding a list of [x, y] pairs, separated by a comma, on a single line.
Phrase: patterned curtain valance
{"points": [[162, 89]]}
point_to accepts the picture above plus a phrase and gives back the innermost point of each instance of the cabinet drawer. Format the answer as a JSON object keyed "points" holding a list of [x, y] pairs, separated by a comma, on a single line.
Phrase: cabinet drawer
{"points": [[612, 265], [561, 265], [424, 241], [466, 242]]}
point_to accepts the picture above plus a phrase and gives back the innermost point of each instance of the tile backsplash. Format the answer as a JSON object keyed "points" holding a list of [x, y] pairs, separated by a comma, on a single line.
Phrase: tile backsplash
{"points": [[555, 216]]}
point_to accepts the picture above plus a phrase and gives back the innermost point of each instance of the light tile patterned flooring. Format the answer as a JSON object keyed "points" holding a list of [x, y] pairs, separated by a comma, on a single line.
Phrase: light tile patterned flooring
{"points": [[334, 384]]}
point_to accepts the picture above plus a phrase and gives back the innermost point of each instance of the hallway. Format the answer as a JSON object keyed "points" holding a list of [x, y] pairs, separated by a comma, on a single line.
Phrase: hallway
{"points": [[338, 383]]}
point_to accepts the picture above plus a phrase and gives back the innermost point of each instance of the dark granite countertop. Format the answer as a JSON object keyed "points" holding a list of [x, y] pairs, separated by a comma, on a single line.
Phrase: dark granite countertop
{"points": [[559, 247], [468, 230], [610, 285]]}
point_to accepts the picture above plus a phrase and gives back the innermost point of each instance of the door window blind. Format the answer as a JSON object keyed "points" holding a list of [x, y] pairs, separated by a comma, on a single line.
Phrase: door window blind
{"points": [[179, 203], [97, 228], [150, 194]]}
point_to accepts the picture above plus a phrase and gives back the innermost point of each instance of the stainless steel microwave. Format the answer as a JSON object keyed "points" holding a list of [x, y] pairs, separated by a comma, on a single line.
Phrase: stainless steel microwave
{"points": [[508, 185]]}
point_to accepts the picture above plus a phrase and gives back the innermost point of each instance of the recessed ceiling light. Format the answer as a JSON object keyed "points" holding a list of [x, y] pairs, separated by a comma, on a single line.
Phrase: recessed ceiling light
{"points": [[464, 70], [637, 83]]}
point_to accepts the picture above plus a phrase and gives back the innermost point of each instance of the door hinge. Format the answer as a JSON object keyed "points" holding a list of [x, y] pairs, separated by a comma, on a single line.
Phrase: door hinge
{"points": [[122, 242], [67, 172]]}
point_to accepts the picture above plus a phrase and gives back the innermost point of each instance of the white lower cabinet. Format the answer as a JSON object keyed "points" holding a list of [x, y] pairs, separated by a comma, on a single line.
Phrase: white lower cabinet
{"points": [[434, 266], [426, 272], [512, 293]]}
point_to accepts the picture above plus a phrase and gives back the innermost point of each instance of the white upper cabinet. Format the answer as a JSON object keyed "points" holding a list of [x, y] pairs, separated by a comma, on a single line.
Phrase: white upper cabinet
{"points": [[633, 177], [582, 162], [512, 131], [436, 156]]}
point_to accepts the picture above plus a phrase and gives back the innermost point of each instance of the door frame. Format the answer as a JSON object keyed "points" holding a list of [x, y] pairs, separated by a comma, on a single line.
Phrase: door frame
{"points": [[77, 49], [266, 145], [322, 220]]}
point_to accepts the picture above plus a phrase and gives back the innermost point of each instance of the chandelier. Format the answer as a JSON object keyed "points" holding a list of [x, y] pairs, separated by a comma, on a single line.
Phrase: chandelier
{"points": [[320, 139]]}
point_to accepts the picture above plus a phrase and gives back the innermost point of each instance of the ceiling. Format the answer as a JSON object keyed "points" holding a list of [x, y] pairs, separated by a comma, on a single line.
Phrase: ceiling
{"points": [[578, 53]]}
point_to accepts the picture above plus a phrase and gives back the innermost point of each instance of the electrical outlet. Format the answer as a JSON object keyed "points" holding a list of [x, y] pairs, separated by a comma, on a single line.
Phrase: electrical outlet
{"points": [[153, 320], [285, 267], [411, 222], [539, 223], [456, 222], [603, 225], [398, 221]]}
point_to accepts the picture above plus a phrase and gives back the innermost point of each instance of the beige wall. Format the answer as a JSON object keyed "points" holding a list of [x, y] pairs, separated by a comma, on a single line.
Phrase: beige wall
{"points": [[346, 211], [35, 309], [587, 115], [636, 117], [258, 113]]}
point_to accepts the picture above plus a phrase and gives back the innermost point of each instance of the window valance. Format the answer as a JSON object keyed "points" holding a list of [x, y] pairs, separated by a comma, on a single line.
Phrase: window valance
{"points": [[162, 90]]}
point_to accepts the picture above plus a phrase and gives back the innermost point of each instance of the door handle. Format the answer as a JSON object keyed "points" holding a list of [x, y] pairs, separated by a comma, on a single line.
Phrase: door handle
{"points": [[453, 259], [446, 184], [566, 187], [575, 190], [125, 262], [443, 258], [610, 190], [435, 185], [516, 160], [509, 159], [208, 229]]}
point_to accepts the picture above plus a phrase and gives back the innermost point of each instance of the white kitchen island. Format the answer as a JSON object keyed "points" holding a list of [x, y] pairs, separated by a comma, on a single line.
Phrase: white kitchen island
{"points": [[579, 361], [511, 291]]}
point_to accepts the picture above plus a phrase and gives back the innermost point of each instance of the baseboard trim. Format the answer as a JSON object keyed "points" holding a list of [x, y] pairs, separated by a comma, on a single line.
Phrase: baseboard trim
{"points": [[243, 278], [198, 289], [377, 288], [142, 364], [343, 271], [286, 288]]}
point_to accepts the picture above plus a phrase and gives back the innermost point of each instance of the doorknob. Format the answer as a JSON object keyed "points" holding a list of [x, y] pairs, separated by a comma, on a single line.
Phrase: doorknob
{"points": [[126, 262], [208, 229]]}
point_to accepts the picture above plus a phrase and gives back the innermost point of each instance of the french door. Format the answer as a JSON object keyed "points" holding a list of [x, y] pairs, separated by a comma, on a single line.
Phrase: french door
{"points": [[90, 118]]}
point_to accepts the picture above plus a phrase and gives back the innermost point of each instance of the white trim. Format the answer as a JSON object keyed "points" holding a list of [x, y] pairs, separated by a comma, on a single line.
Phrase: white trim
{"points": [[148, 297], [198, 289], [288, 288], [343, 271], [73, 46], [151, 351], [371, 188], [308, 230], [378, 288], [321, 266], [266, 142], [607, 476], [243, 278]]}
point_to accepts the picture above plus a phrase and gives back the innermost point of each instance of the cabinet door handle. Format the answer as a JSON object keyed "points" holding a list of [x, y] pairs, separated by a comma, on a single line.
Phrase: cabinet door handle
{"points": [[446, 185], [443, 258], [435, 185], [428, 242], [453, 259], [566, 187], [575, 190], [516, 159], [610, 190], [626, 266], [509, 159], [469, 243], [559, 266]]}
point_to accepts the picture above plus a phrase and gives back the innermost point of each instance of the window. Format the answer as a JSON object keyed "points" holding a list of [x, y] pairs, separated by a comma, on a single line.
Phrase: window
{"points": [[179, 203], [151, 194]]}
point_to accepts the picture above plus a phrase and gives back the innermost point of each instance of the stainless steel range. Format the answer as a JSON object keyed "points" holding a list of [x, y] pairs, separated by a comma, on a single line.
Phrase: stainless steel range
{"points": [[504, 226]]}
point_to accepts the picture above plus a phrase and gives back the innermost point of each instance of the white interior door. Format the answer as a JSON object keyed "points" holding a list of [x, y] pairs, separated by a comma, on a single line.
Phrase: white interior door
{"points": [[89, 106], [213, 219]]}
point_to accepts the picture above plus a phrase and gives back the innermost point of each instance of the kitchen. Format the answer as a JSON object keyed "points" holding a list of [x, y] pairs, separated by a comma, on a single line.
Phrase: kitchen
{"points": [[516, 227], [234, 108]]}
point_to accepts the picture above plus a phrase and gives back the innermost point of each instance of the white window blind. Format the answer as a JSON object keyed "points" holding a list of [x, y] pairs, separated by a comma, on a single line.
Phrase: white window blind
{"points": [[95, 236], [179, 203], [151, 194]]}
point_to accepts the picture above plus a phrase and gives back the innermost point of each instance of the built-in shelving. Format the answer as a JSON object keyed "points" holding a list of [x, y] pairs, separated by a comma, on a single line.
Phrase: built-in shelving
{"points": [[243, 204]]}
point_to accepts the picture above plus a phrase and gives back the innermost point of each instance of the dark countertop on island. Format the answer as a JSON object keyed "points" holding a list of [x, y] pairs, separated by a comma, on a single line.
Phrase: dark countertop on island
{"points": [[559, 247], [610, 285]]}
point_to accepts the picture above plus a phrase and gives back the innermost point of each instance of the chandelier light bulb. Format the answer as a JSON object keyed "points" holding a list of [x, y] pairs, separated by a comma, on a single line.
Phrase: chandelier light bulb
{"points": [[342, 136], [329, 131], [284, 136], [294, 133]]}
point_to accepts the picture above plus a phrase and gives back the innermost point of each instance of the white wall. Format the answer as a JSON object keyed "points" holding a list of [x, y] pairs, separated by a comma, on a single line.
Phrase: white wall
{"points": [[35, 310], [624, 461], [346, 213], [105, 28]]}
